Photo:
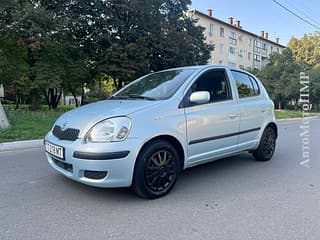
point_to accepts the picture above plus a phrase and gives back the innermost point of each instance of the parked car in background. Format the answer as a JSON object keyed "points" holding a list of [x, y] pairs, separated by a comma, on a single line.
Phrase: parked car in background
{"points": [[161, 124]]}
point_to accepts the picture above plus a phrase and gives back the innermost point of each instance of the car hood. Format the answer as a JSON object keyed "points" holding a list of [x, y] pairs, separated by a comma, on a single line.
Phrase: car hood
{"points": [[83, 118]]}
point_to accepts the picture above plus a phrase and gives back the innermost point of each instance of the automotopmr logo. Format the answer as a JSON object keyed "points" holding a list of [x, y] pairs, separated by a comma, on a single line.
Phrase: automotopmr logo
{"points": [[304, 100]]}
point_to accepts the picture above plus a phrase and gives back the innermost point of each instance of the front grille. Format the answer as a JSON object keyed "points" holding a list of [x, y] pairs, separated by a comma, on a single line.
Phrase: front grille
{"points": [[69, 134], [95, 174], [66, 166]]}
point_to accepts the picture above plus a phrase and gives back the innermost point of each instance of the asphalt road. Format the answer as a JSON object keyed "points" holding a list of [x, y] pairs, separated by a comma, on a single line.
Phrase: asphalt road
{"points": [[231, 199]]}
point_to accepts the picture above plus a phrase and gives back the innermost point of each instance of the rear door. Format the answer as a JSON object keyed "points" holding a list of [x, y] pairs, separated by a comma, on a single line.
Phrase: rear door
{"points": [[252, 109], [212, 128]]}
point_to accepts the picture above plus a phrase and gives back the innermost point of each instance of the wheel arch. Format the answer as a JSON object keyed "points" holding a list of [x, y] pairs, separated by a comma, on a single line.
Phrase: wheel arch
{"points": [[174, 141], [274, 126]]}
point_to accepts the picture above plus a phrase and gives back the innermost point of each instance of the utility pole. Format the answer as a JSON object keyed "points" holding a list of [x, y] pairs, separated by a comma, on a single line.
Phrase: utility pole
{"points": [[3, 117]]}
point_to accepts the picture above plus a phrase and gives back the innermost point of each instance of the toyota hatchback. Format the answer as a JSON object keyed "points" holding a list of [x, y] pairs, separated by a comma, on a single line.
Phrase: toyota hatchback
{"points": [[161, 124]]}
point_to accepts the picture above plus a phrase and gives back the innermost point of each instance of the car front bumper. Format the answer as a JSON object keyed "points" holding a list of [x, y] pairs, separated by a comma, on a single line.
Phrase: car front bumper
{"points": [[96, 164]]}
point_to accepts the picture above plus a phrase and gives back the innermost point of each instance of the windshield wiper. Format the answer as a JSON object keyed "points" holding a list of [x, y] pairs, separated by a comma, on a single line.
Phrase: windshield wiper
{"points": [[133, 96], [141, 97]]}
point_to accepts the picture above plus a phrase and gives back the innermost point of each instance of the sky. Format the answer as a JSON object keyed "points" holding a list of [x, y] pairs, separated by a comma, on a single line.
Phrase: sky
{"points": [[266, 15]]}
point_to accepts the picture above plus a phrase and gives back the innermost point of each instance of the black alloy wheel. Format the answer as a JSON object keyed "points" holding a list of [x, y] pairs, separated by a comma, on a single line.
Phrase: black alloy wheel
{"points": [[156, 170], [267, 145]]}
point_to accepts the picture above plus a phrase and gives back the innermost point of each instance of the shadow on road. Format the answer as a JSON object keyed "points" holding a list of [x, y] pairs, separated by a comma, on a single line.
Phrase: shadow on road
{"points": [[192, 180]]}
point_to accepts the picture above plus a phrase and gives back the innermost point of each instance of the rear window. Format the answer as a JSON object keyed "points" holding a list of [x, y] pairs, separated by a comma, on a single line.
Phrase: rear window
{"points": [[247, 86]]}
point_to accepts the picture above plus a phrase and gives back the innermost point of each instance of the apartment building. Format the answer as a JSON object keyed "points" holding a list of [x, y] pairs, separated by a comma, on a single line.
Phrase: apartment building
{"points": [[235, 46]]}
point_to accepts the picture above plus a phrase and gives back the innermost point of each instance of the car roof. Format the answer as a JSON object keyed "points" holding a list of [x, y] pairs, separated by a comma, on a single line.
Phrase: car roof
{"points": [[208, 66], [198, 67]]}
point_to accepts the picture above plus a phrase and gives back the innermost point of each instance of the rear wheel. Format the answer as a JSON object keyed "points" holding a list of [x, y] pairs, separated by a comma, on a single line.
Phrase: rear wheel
{"points": [[156, 170], [267, 145]]}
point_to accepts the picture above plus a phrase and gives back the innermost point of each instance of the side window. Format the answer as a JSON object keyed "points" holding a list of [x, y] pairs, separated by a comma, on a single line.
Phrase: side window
{"points": [[216, 83], [246, 87]]}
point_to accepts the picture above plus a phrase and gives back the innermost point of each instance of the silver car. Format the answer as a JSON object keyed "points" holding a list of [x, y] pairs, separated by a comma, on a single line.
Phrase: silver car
{"points": [[161, 124]]}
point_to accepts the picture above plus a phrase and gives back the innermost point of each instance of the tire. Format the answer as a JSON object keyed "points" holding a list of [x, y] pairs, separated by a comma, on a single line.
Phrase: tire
{"points": [[156, 170], [267, 145]]}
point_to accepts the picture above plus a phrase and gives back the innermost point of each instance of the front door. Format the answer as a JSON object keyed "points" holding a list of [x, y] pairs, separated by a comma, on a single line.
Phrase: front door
{"points": [[212, 127]]}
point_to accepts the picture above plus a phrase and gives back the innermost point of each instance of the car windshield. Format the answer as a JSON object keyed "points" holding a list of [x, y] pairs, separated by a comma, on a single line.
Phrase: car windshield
{"points": [[155, 86]]}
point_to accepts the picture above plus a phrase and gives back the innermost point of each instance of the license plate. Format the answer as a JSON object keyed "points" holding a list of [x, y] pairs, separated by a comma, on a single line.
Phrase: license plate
{"points": [[54, 150]]}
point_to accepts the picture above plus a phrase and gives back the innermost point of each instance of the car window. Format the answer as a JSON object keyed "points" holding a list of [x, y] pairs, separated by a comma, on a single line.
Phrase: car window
{"points": [[156, 86], [216, 83], [255, 86], [244, 84]]}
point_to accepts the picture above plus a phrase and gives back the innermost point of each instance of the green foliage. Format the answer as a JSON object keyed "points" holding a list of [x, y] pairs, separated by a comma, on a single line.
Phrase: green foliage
{"points": [[150, 36], [281, 78], [306, 50], [102, 89], [314, 76], [49, 46]]}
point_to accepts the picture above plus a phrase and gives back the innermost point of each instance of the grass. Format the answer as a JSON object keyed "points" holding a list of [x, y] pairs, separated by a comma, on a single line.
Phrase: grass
{"points": [[283, 114], [26, 125]]}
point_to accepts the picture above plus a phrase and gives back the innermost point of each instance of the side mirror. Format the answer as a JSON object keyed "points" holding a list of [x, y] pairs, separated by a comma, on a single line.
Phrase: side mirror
{"points": [[200, 97]]}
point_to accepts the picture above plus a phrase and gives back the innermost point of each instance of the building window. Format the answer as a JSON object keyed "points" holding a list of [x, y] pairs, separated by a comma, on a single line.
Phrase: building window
{"points": [[271, 49], [233, 38], [240, 38], [220, 62], [232, 50], [241, 53], [221, 48], [221, 32], [257, 46], [278, 51], [250, 41], [211, 28], [249, 55], [264, 49], [256, 57], [211, 43]]}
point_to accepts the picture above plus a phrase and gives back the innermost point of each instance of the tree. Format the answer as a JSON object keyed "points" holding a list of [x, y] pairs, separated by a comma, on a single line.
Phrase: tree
{"points": [[30, 23], [281, 78], [150, 36], [13, 67], [314, 76], [306, 50], [65, 45]]}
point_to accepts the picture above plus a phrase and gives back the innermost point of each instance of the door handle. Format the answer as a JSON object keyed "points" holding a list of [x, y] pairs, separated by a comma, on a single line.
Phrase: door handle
{"points": [[233, 115]]}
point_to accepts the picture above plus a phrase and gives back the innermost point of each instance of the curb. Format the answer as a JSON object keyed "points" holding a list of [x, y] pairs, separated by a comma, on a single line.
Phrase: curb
{"points": [[20, 145], [293, 119]]}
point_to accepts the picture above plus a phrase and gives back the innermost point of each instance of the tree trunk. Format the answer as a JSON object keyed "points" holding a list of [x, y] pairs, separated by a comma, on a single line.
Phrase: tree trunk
{"points": [[53, 96], [34, 100], [57, 97], [75, 99], [46, 94], [17, 101]]}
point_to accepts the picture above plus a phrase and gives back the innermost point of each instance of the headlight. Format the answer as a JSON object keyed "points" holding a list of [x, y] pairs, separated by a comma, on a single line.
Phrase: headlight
{"points": [[109, 130]]}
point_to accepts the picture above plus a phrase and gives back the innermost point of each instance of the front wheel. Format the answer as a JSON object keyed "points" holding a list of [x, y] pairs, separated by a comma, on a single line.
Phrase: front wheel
{"points": [[156, 170], [267, 145]]}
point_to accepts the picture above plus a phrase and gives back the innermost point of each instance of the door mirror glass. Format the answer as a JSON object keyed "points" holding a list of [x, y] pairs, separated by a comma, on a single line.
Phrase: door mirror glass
{"points": [[200, 97]]}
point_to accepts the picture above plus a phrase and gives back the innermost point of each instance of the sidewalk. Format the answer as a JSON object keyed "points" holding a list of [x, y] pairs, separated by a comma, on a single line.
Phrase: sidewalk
{"points": [[20, 145]]}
